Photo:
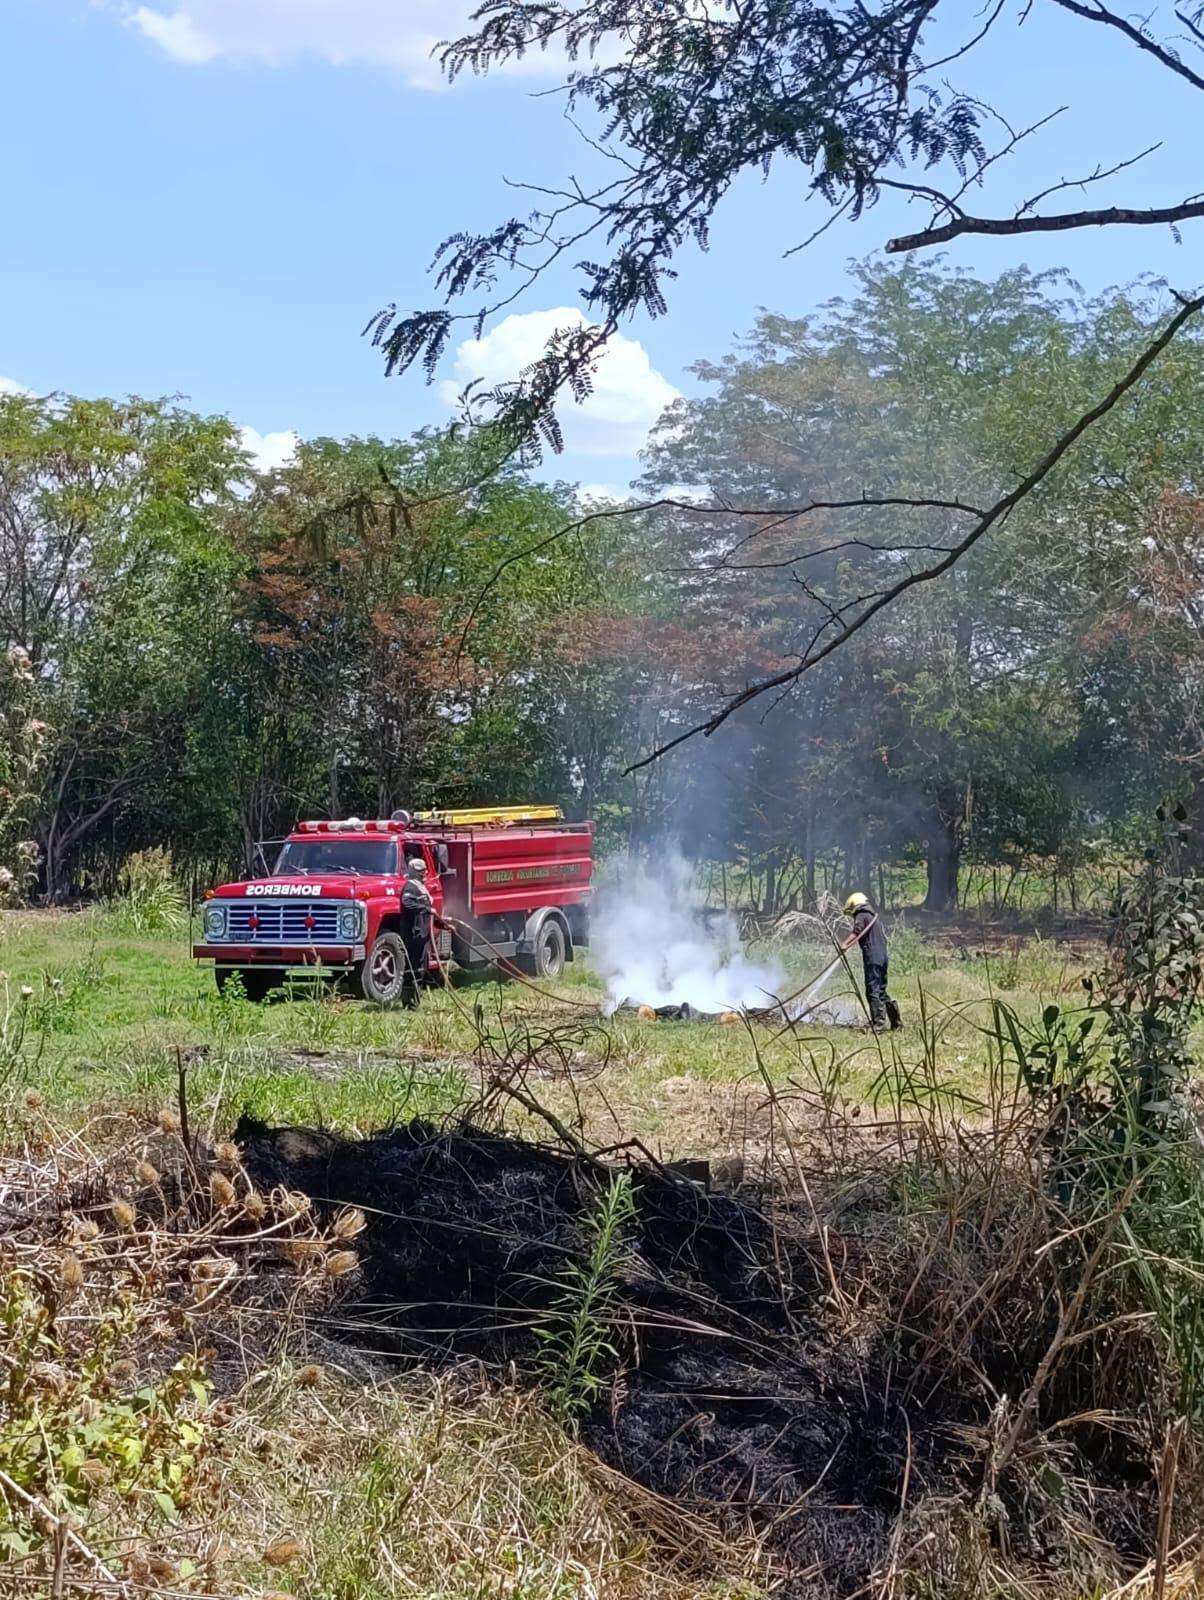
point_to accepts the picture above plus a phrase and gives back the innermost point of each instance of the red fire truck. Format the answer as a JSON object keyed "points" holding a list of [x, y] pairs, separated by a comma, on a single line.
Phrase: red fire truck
{"points": [[505, 882]]}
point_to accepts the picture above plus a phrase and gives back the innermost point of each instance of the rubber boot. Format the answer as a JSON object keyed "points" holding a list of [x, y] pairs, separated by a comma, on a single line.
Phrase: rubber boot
{"points": [[895, 1015]]}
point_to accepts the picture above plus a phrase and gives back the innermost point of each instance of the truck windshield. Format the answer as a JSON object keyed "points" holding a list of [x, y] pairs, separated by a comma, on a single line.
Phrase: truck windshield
{"points": [[360, 857]]}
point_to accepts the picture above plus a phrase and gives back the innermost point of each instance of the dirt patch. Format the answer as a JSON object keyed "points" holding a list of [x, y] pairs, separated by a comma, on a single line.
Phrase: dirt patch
{"points": [[731, 1392]]}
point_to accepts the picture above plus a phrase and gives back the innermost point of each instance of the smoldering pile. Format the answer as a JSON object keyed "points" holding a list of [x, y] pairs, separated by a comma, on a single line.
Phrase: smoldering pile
{"points": [[728, 1390], [834, 1013], [668, 958]]}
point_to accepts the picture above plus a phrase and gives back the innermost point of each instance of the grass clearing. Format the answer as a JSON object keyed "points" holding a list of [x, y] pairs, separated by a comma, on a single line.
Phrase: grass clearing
{"points": [[110, 1009]]}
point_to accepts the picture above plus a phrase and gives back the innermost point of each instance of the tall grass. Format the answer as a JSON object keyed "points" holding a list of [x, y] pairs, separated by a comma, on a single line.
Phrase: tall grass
{"points": [[149, 898]]}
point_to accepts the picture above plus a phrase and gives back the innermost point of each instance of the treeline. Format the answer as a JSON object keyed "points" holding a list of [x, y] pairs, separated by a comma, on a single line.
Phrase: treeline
{"points": [[1031, 707], [197, 653]]}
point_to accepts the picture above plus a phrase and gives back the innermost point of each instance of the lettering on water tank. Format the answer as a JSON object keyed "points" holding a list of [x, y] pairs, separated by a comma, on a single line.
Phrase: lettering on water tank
{"points": [[561, 869]]}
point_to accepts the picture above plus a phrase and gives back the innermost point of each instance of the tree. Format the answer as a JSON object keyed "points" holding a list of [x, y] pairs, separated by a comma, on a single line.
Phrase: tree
{"points": [[110, 559], [960, 720], [694, 96]]}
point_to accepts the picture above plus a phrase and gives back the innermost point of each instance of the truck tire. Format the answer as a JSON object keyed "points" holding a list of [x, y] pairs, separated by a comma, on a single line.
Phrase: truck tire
{"points": [[256, 985], [385, 974], [548, 958]]}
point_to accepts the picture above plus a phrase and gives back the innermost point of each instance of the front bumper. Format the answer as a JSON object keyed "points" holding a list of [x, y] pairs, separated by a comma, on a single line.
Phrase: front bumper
{"points": [[280, 955]]}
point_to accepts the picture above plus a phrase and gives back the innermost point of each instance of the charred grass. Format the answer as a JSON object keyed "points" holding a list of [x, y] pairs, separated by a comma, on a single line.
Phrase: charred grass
{"points": [[305, 1338]]}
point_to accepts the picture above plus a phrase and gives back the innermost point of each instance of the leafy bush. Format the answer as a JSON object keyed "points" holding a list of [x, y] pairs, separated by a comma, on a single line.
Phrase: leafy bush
{"points": [[72, 1436], [1111, 1080], [23, 745]]}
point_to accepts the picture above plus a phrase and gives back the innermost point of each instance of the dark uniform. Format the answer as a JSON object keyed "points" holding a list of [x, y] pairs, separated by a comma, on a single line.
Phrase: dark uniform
{"points": [[871, 936], [416, 901]]}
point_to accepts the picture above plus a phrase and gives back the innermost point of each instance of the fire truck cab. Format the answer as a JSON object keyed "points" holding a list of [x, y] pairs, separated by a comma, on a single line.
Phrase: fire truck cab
{"points": [[506, 883]]}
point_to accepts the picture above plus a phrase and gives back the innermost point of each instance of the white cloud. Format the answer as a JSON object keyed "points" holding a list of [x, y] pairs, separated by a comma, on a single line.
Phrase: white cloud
{"points": [[177, 34], [396, 34], [628, 396], [592, 494], [268, 450], [11, 386]]}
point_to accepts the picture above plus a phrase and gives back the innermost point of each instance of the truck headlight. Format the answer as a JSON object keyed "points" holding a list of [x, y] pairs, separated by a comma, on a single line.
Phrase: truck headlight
{"points": [[214, 922], [351, 922]]}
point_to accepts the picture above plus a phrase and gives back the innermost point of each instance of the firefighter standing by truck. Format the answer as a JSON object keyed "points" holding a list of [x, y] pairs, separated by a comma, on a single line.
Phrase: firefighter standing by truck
{"points": [[869, 933], [416, 901]]}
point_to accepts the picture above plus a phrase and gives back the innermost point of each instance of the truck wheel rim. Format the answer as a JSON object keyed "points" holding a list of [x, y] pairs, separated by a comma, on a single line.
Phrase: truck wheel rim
{"points": [[384, 968]]}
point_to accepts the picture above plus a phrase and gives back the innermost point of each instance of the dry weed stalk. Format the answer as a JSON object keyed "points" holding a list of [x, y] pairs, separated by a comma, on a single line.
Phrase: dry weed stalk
{"points": [[129, 1275]]}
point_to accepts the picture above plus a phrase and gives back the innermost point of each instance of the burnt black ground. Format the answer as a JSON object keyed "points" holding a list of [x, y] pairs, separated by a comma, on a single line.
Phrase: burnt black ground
{"points": [[730, 1395]]}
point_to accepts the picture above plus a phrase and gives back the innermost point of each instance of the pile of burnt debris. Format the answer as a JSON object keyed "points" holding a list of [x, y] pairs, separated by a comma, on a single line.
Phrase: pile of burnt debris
{"points": [[834, 1013], [729, 1391]]}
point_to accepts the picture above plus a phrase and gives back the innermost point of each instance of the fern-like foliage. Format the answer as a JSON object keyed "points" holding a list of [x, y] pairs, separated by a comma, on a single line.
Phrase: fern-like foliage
{"points": [[684, 98]]}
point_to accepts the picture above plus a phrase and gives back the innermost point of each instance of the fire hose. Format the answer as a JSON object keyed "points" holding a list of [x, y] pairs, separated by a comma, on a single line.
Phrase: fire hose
{"points": [[504, 963]]}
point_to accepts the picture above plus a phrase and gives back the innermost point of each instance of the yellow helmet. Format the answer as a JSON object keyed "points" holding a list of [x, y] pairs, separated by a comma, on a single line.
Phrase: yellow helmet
{"points": [[855, 903]]}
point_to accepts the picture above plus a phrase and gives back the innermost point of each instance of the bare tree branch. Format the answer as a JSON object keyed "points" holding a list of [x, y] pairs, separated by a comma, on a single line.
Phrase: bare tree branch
{"points": [[1100, 13], [776, 515], [1189, 307], [1110, 217]]}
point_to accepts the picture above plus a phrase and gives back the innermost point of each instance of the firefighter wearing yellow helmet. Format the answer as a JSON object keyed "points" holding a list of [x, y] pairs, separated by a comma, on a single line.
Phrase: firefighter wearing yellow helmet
{"points": [[869, 933]]}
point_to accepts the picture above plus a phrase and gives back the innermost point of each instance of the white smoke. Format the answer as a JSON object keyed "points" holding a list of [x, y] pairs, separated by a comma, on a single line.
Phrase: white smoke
{"points": [[652, 948]]}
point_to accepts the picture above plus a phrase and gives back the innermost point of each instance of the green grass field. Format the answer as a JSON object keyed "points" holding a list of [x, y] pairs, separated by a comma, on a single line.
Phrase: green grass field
{"points": [[104, 1016]]}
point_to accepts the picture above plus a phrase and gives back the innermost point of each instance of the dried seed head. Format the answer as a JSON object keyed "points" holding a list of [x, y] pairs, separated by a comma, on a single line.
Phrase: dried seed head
{"points": [[163, 1331], [33, 1100], [342, 1262], [221, 1191], [49, 1375], [71, 1272], [255, 1206], [147, 1174], [348, 1223], [124, 1215], [168, 1121], [310, 1377], [296, 1204], [283, 1550], [302, 1249], [85, 1229], [226, 1153], [94, 1473], [209, 1268]]}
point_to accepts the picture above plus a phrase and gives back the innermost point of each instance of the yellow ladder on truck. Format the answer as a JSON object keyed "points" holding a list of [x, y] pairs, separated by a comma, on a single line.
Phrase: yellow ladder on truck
{"points": [[469, 816]]}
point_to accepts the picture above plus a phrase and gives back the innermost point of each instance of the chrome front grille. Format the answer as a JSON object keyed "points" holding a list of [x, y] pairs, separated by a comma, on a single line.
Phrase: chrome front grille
{"points": [[284, 922]]}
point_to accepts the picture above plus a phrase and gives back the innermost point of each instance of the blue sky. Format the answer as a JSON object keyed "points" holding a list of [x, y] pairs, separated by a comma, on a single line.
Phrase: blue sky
{"points": [[211, 197]]}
